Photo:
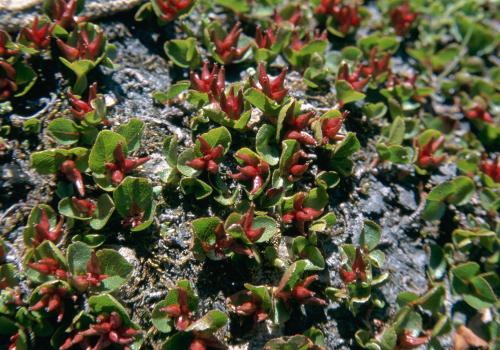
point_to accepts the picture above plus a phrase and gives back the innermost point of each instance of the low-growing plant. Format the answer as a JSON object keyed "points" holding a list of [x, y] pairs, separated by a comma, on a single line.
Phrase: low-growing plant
{"points": [[105, 324], [294, 288], [225, 47], [68, 165], [360, 270], [64, 12], [390, 147], [406, 330], [165, 11], [85, 48]]}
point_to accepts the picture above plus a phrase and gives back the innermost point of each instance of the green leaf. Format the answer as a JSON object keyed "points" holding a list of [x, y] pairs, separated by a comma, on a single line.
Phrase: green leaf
{"points": [[482, 39], [270, 227], [397, 132], [102, 151], [185, 157], [262, 102], [64, 131], [183, 52], [215, 137], [465, 271], [370, 235], [375, 110], [444, 57], [170, 149], [238, 6], [104, 209], [200, 189], [172, 92], [351, 53], [317, 198], [389, 339], [463, 190], [105, 303], [437, 262], [346, 94], [211, 321], [132, 132], [292, 275], [204, 228], [25, 78], [115, 266], [295, 342], [265, 144], [347, 147], [303, 249], [78, 255], [132, 194]]}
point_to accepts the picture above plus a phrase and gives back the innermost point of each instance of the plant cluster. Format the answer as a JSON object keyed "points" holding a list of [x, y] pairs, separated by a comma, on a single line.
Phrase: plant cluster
{"points": [[269, 162]]}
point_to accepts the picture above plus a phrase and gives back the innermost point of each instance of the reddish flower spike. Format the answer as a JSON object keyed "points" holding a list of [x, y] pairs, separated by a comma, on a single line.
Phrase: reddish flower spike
{"points": [[43, 231], [426, 157], [84, 206], [296, 125], [4, 51], [479, 113], [180, 312], [210, 158], [135, 217], [297, 165], [294, 18], [254, 170], [52, 299], [70, 171], [301, 293], [246, 222], [407, 341], [50, 267], [13, 341], [355, 79], [122, 165], [172, 8], [63, 12], [85, 48], [227, 48], [274, 89], [330, 128], [79, 107], [358, 269], [38, 36], [491, 167], [223, 242], [92, 278], [252, 306], [264, 39], [345, 16], [109, 329], [300, 214], [232, 104], [7, 80], [402, 18], [328, 7], [212, 82], [376, 66], [298, 44]]}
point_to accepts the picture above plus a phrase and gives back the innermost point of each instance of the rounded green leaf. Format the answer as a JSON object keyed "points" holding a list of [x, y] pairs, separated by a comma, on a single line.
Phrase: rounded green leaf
{"points": [[103, 149], [370, 235], [64, 131]]}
